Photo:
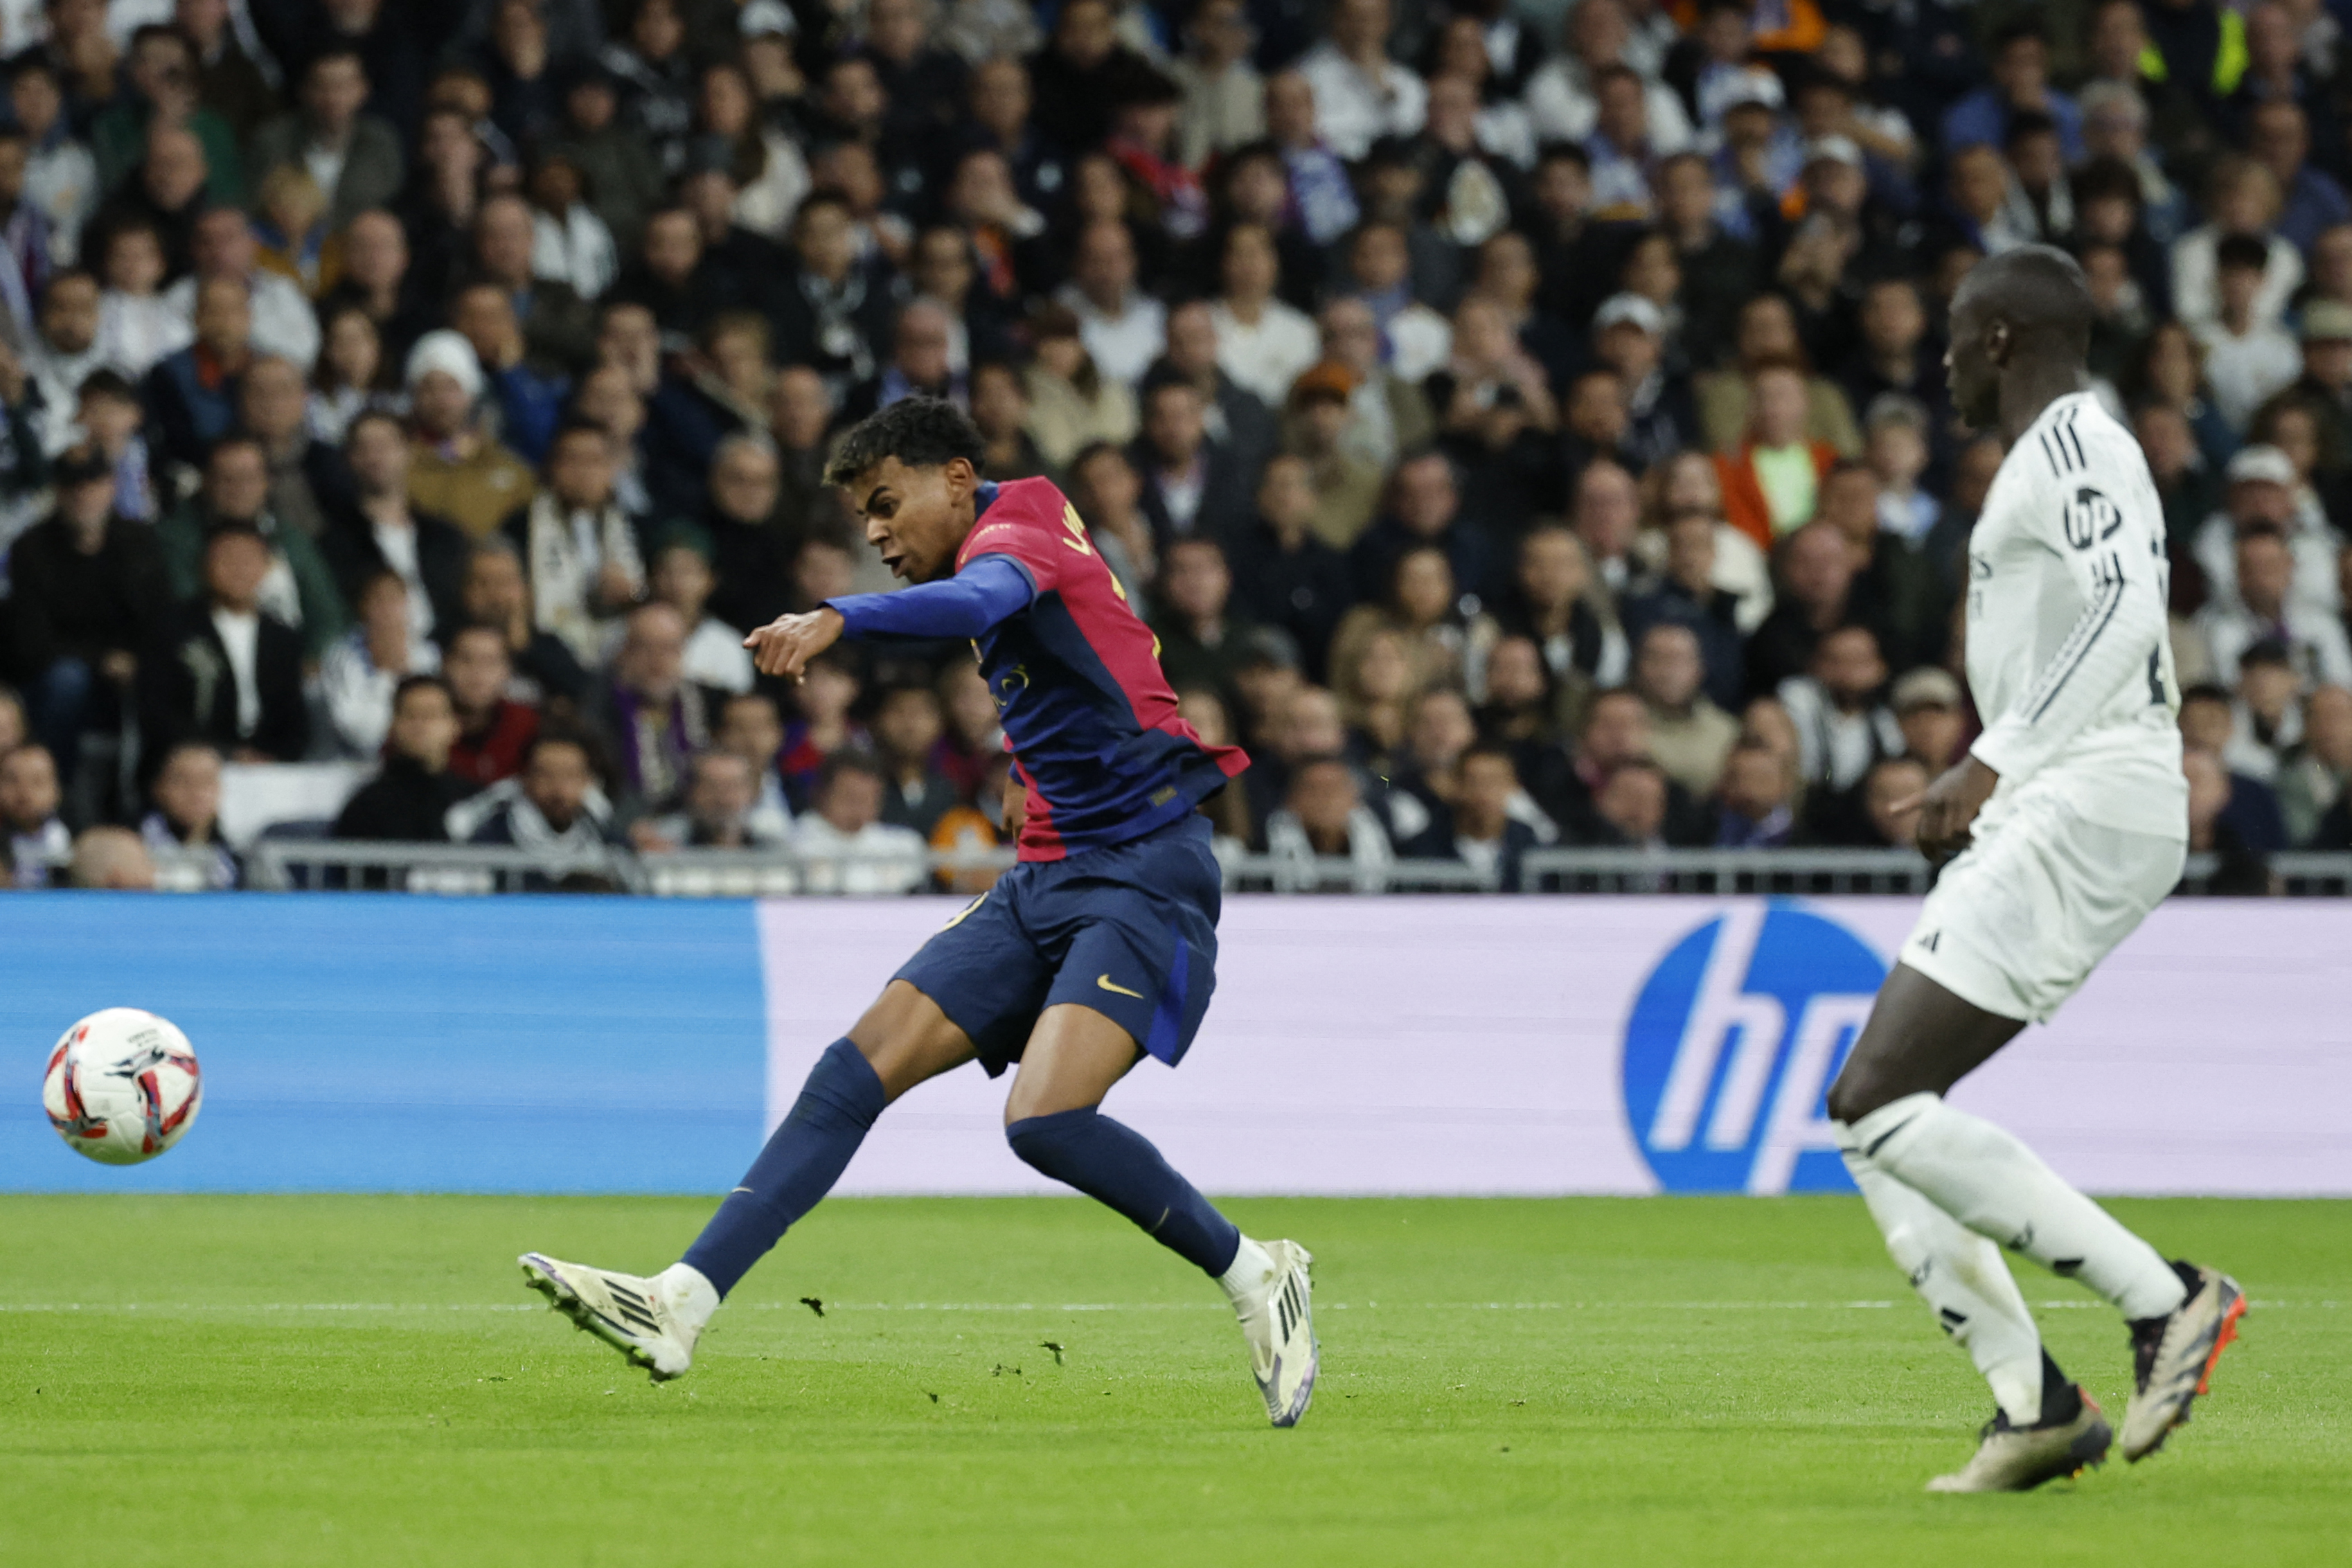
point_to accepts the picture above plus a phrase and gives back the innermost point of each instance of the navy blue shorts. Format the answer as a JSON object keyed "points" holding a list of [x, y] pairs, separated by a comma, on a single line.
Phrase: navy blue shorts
{"points": [[1129, 930]]}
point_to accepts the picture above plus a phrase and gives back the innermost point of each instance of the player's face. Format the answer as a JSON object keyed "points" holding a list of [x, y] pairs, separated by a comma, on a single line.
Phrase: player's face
{"points": [[916, 518], [1969, 367]]}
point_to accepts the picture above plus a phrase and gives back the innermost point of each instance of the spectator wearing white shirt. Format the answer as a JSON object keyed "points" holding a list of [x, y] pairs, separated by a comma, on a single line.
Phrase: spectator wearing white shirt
{"points": [[2246, 357], [1123, 327], [1563, 98], [1360, 94], [715, 654], [136, 325], [569, 243], [1262, 344], [224, 247], [2266, 611], [2266, 492], [60, 172], [2245, 199], [1843, 726], [64, 351], [366, 665], [845, 845], [1323, 816], [1415, 339], [721, 810]]}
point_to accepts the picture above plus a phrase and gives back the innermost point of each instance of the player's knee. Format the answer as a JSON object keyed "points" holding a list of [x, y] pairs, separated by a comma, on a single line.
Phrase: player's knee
{"points": [[1042, 1142]]}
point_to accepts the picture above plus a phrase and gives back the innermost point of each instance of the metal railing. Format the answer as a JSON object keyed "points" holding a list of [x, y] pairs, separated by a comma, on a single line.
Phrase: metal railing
{"points": [[304, 865]]}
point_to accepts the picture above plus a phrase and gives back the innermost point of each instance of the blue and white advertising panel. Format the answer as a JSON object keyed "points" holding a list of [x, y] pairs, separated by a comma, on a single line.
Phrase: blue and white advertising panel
{"points": [[1356, 1046]]}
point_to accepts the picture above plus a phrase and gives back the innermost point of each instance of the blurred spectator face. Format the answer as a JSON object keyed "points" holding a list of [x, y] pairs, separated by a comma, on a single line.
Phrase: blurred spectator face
{"points": [[1897, 782], [1779, 396], [134, 261], [1206, 711], [352, 352], [440, 405], [609, 402], [1932, 732], [1980, 182], [652, 660], [502, 239], [2022, 71], [1616, 731], [2260, 504], [2293, 430], [1425, 498], [1000, 97], [234, 564], [802, 408], [494, 589], [1849, 503], [629, 339], [822, 236], [110, 420], [1441, 732], [1767, 329], [224, 316], [1669, 670], [943, 266], [744, 481], [1633, 352], [682, 580], [1514, 674], [1196, 582], [852, 801], [1893, 320], [1553, 569], [2331, 262], [1351, 335], [28, 788], [822, 570], [1687, 194], [70, 314], [1817, 568], [853, 94], [1692, 486], [1256, 188], [1323, 796], [908, 725], [1755, 781], [477, 669], [87, 506], [1424, 591], [579, 469], [981, 192], [1192, 341], [1506, 271], [1172, 423], [2280, 136], [2205, 722], [222, 245], [173, 173], [1000, 404], [2165, 437], [187, 792], [237, 482], [2035, 158], [723, 792], [673, 243], [970, 710], [1633, 800], [922, 345], [34, 94], [1482, 338], [1106, 264], [827, 693], [2265, 572], [1453, 112], [1323, 420], [1286, 497], [1608, 510], [332, 92], [1290, 109], [1310, 726], [384, 608], [2327, 728], [1564, 189], [423, 726], [271, 400], [1384, 670], [2117, 40], [2245, 201], [2239, 285], [751, 729], [557, 781], [1850, 667], [2268, 686], [1379, 259], [1690, 552], [1623, 116]]}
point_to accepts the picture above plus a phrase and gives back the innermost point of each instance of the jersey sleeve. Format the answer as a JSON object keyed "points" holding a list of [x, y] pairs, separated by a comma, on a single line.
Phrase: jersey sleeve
{"points": [[989, 589], [2122, 624]]}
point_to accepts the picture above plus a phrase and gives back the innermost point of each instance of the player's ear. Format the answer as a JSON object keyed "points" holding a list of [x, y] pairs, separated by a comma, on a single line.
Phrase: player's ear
{"points": [[963, 479], [1998, 340]]}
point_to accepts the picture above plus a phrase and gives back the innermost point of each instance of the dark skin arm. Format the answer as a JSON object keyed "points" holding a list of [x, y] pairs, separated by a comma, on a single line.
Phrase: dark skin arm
{"points": [[1948, 805]]}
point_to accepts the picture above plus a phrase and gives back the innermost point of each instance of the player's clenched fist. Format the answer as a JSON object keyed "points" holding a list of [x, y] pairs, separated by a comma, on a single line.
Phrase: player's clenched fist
{"points": [[785, 644], [1948, 805]]}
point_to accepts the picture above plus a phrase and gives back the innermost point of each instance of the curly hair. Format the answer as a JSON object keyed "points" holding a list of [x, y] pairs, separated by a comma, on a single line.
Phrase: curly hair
{"points": [[921, 432]]}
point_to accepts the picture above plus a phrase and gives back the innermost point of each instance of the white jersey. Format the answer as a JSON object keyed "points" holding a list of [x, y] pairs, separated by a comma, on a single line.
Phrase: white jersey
{"points": [[2068, 654]]}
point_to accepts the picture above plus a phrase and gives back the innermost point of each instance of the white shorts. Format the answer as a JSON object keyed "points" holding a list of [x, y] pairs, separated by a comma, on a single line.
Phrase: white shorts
{"points": [[2018, 921]]}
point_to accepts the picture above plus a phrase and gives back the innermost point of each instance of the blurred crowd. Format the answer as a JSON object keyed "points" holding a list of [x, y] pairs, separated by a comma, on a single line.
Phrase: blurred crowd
{"points": [[1521, 424]]}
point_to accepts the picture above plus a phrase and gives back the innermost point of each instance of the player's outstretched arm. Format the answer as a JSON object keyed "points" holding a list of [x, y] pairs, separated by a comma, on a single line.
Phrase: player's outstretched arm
{"points": [[990, 590]]}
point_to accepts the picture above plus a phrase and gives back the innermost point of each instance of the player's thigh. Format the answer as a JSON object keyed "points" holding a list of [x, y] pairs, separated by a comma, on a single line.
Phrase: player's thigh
{"points": [[983, 977], [906, 1039], [1921, 1039], [1138, 943], [1073, 1059]]}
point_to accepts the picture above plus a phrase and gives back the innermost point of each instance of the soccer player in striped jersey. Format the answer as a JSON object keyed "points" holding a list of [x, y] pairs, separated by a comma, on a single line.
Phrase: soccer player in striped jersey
{"points": [[2068, 819], [1096, 950]]}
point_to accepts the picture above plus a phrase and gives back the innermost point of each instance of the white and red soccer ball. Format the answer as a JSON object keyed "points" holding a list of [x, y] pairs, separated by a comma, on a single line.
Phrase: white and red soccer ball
{"points": [[123, 1086]]}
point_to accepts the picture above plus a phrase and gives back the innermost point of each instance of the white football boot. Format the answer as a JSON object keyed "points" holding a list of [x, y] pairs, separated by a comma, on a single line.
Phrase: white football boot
{"points": [[1278, 1318], [653, 1322], [2174, 1356]]}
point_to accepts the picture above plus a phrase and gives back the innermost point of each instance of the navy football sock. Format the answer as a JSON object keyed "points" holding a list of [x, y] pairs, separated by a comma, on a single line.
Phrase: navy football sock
{"points": [[1118, 1165], [802, 1160]]}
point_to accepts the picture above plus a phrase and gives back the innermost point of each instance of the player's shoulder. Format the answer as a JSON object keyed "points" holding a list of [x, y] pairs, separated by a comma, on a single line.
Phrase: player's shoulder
{"points": [[2078, 442], [1021, 517]]}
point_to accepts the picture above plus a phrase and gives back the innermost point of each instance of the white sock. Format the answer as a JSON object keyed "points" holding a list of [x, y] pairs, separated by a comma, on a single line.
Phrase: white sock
{"points": [[1962, 1278], [1995, 1186], [689, 1296], [1252, 1271]]}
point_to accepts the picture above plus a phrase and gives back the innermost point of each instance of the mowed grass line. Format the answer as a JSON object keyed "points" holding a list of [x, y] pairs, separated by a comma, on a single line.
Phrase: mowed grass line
{"points": [[261, 1381]]}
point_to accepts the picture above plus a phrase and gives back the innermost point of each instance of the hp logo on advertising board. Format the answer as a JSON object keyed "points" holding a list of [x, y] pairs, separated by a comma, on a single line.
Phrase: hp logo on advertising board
{"points": [[1731, 1047]]}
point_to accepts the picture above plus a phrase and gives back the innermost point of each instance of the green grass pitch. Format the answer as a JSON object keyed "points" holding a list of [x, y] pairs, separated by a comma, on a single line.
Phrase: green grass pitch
{"points": [[261, 1381]]}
